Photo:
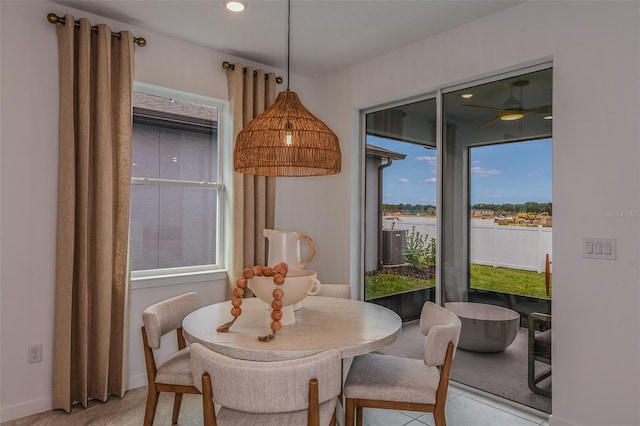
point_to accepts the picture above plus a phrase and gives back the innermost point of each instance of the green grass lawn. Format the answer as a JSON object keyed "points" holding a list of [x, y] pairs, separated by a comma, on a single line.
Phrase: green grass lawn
{"points": [[385, 284], [504, 280]]}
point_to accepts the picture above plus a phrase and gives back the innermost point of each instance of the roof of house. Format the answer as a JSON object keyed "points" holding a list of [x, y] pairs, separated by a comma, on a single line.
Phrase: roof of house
{"points": [[376, 151]]}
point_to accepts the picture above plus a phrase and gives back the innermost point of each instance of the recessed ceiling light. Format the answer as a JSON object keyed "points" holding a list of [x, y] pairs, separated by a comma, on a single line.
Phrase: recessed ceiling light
{"points": [[467, 95], [235, 5], [548, 117]]}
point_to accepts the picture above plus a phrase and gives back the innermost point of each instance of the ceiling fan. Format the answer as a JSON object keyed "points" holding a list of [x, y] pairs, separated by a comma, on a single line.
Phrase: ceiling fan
{"points": [[512, 108]]}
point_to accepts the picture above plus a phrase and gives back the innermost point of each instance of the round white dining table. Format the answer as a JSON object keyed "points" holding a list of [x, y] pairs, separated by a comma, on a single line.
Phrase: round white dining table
{"points": [[352, 326]]}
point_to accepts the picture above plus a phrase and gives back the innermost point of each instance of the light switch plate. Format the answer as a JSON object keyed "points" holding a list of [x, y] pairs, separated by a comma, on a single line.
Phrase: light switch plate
{"points": [[599, 248]]}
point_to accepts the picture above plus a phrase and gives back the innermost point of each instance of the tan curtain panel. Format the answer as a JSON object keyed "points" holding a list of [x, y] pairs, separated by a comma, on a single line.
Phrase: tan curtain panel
{"points": [[92, 306], [253, 200]]}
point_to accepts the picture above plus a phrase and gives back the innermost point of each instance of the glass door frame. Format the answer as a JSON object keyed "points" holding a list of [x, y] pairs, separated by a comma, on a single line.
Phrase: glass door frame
{"points": [[461, 250], [441, 223], [361, 162]]}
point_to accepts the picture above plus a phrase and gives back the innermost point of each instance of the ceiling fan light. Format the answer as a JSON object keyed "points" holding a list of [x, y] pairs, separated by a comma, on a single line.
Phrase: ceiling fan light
{"points": [[235, 5], [511, 116]]}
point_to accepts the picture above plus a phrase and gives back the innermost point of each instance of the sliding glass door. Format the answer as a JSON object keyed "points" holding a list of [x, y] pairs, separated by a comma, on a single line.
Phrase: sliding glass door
{"points": [[497, 203], [400, 197], [497, 227], [458, 210]]}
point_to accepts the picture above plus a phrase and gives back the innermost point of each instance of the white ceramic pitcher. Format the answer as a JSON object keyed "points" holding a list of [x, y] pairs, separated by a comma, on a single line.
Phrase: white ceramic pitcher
{"points": [[284, 246]]}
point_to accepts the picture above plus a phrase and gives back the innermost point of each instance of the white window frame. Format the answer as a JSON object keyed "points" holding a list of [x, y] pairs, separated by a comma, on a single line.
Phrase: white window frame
{"points": [[196, 273]]}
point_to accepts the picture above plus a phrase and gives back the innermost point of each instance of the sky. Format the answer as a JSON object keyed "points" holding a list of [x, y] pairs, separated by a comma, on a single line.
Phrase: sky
{"points": [[504, 173]]}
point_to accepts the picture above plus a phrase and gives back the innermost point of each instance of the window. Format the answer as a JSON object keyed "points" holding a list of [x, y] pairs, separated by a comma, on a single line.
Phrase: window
{"points": [[410, 253], [497, 140], [400, 203], [176, 188], [510, 234]]}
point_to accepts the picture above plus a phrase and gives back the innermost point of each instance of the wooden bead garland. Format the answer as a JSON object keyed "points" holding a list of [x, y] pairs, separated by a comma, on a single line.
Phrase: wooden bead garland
{"points": [[278, 272]]}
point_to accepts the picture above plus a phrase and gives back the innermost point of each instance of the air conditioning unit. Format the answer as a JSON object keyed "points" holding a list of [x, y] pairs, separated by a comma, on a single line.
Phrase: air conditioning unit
{"points": [[393, 243]]}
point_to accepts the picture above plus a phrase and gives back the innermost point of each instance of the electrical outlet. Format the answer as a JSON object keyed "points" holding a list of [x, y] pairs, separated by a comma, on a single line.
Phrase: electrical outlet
{"points": [[34, 353]]}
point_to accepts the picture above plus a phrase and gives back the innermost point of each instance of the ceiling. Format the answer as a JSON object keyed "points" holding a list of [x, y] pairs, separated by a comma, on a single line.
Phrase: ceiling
{"points": [[329, 35], [326, 35]]}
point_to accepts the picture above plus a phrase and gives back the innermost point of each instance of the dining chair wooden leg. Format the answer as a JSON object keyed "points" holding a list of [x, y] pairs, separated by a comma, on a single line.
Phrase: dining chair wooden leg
{"points": [[177, 401], [313, 418], [341, 396], [359, 416], [438, 415], [208, 409], [349, 410], [152, 404], [333, 419]]}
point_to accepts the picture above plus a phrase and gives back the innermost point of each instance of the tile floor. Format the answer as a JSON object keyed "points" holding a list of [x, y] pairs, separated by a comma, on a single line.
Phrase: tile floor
{"points": [[465, 407]]}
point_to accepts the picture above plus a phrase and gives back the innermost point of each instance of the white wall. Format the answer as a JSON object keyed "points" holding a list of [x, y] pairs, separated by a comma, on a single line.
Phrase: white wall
{"points": [[595, 48]]}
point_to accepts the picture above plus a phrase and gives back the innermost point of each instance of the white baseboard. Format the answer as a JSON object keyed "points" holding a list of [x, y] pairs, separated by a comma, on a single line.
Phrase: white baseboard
{"points": [[555, 421], [39, 405], [26, 408], [137, 380]]}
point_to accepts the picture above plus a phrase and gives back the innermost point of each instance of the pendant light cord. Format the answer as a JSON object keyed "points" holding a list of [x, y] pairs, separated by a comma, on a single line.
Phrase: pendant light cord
{"points": [[288, 40]]}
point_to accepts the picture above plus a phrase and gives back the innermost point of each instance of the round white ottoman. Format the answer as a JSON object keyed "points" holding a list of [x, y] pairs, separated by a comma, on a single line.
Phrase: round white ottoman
{"points": [[485, 328]]}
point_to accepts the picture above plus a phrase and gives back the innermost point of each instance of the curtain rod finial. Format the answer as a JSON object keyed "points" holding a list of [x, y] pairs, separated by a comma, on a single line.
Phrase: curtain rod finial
{"points": [[53, 18]]}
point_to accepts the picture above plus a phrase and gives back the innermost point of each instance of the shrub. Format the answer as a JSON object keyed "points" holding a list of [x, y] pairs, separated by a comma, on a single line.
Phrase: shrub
{"points": [[420, 250]]}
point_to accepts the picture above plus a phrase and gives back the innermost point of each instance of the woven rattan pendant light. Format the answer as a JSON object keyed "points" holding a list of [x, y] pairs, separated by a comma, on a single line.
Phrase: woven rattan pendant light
{"points": [[286, 139]]}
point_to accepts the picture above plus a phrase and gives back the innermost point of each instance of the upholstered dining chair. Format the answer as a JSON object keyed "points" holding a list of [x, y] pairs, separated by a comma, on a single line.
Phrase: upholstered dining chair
{"points": [[174, 374], [342, 291], [335, 290], [539, 351], [391, 382], [295, 392]]}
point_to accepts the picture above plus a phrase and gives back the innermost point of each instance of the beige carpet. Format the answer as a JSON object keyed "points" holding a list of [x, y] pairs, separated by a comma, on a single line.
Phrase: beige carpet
{"points": [[502, 373]]}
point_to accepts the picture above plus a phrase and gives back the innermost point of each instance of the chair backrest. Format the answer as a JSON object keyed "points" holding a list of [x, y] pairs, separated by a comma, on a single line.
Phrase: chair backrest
{"points": [[166, 316], [335, 290], [540, 343], [441, 326], [267, 387]]}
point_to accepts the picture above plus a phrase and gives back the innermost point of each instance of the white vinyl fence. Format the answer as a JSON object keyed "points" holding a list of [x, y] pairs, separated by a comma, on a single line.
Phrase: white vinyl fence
{"points": [[517, 247]]}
